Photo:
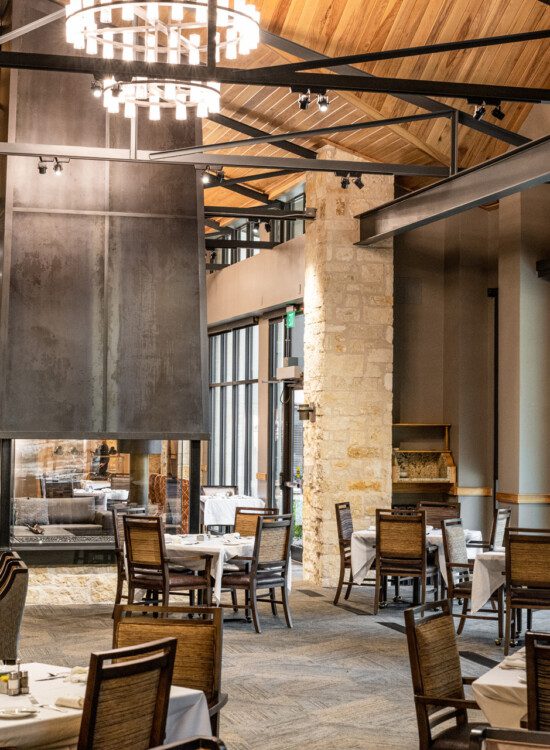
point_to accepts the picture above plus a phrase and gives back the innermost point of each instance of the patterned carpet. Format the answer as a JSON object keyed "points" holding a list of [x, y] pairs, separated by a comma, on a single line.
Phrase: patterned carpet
{"points": [[339, 679]]}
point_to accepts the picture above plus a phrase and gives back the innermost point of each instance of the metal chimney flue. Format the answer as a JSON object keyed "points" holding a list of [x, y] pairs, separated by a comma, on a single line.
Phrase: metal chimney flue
{"points": [[139, 451]]}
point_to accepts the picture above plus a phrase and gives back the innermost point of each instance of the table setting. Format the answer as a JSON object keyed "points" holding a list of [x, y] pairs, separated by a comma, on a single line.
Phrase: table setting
{"points": [[501, 693], [219, 509], [49, 715], [363, 549]]}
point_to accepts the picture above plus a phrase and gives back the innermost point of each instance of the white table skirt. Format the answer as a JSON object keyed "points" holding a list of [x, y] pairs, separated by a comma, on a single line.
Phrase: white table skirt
{"points": [[187, 714], [219, 510], [488, 575], [502, 696], [363, 550]]}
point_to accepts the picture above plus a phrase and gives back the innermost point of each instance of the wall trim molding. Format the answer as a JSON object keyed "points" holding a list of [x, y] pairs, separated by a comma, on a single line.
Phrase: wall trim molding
{"points": [[471, 491], [518, 499]]}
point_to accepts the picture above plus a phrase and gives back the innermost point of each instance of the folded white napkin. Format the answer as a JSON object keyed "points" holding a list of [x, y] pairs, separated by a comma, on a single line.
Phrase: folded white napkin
{"points": [[70, 701], [514, 661], [78, 674]]}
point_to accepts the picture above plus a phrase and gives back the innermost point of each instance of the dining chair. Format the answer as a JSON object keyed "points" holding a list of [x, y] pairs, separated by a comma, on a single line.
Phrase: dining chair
{"points": [[127, 695], [196, 743], [401, 551], [148, 566], [246, 519], [537, 657], [437, 679], [459, 580], [344, 524], [501, 521], [14, 581], [198, 662], [436, 512], [118, 531], [269, 569], [527, 556], [507, 739]]}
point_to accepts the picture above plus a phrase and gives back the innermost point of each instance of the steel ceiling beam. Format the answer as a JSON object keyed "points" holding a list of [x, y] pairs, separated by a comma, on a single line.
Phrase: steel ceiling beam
{"points": [[32, 26], [123, 70], [202, 161], [242, 127], [263, 214], [393, 54], [278, 137], [214, 244], [255, 195], [517, 170], [253, 177], [482, 126]]}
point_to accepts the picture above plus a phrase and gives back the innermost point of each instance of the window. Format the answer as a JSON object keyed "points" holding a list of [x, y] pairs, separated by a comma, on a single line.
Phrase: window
{"points": [[287, 230], [233, 450], [247, 232]]}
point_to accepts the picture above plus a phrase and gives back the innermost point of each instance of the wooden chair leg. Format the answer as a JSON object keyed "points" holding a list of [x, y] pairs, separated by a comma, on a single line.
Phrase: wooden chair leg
{"points": [[377, 590], [215, 724], [340, 581], [500, 614], [384, 590], [254, 608], [424, 584], [234, 600], [247, 605], [350, 584], [463, 618], [508, 630], [273, 604], [529, 619], [286, 608], [131, 594]]}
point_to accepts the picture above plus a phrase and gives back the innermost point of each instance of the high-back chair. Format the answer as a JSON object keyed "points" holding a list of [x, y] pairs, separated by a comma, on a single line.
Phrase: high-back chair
{"points": [[507, 739], [501, 521], [14, 581], [436, 512], [198, 662], [147, 562], [437, 678], [459, 580], [344, 524], [118, 531], [127, 695], [246, 519], [537, 657], [401, 550], [527, 574], [269, 568]]}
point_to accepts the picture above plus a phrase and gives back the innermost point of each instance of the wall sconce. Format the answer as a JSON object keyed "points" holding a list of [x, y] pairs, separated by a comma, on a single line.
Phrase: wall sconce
{"points": [[307, 412]]}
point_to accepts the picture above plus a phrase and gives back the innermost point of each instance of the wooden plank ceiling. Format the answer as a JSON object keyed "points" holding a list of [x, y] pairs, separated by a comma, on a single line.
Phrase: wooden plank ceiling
{"points": [[341, 27]]}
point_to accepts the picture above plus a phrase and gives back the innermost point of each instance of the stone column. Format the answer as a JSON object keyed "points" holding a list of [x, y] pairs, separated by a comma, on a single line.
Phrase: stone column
{"points": [[348, 363], [524, 357]]}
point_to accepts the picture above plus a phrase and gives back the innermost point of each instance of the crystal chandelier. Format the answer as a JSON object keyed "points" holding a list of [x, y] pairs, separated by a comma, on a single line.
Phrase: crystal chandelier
{"points": [[171, 31]]}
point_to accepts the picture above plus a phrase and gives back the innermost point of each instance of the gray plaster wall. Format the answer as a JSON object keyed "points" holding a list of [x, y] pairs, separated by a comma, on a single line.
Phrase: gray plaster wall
{"points": [[103, 319]]}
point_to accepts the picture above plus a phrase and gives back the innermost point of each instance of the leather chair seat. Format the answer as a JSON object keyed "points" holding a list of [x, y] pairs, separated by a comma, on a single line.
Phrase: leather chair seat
{"points": [[463, 589], [530, 595], [263, 580], [177, 580], [455, 738]]}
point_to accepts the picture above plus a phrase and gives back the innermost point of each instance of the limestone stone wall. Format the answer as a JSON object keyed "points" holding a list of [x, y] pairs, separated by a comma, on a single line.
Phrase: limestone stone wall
{"points": [[348, 364]]}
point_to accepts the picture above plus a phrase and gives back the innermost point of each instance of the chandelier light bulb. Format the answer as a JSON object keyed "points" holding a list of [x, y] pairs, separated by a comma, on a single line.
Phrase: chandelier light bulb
{"points": [[128, 11], [181, 110], [177, 12], [129, 110], [154, 112]]}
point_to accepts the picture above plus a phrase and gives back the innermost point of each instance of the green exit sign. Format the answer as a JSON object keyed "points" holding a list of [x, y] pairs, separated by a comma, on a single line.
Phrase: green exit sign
{"points": [[291, 319]]}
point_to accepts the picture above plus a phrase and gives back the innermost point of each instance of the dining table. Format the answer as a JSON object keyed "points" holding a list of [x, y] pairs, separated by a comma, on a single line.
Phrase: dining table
{"points": [[501, 693], [363, 549], [487, 577], [219, 509], [53, 726]]}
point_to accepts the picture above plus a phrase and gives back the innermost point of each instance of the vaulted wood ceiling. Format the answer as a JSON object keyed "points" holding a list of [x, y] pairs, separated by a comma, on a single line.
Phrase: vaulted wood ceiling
{"points": [[339, 27]]}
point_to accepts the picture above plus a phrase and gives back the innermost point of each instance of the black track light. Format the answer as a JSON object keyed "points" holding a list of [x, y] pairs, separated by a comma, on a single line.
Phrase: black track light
{"points": [[116, 90], [256, 225], [304, 101], [220, 175], [42, 167], [57, 169], [97, 88], [323, 103], [479, 111], [267, 226], [358, 182], [344, 182], [498, 113], [206, 178]]}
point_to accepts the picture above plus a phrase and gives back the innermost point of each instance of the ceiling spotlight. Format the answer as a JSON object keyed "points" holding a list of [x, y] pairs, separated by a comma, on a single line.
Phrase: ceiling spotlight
{"points": [[267, 226], [344, 182], [220, 175], [42, 167], [498, 113], [57, 169], [206, 178], [256, 224], [116, 90], [304, 101], [358, 182], [479, 111], [323, 103], [97, 88]]}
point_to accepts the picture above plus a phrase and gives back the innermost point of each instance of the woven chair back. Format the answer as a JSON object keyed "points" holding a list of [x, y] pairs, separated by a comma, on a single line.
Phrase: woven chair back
{"points": [[126, 701], [537, 648], [501, 522], [344, 522], [273, 540], [436, 513], [527, 558], [401, 534], [246, 519], [454, 540], [144, 537], [198, 660]]}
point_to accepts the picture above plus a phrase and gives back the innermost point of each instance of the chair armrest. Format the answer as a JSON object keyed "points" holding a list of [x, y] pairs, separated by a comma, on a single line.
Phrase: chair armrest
{"points": [[431, 700], [241, 557], [523, 721], [482, 545], [217, 707], [461, 566]]}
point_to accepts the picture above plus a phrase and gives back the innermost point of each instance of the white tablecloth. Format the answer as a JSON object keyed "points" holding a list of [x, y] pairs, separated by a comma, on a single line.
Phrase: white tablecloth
{"points": [[363, 550], [182, 550], [502, 696], [488, 575], [187, 714], [219, 510]]}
